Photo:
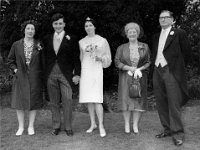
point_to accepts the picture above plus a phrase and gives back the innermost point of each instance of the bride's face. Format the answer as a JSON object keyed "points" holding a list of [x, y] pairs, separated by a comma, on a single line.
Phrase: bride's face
{"points": [[89, 28]]}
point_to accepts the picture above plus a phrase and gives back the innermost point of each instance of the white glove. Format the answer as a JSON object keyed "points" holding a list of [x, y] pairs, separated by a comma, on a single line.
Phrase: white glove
{"points": [[130, 73], [137, 74]]}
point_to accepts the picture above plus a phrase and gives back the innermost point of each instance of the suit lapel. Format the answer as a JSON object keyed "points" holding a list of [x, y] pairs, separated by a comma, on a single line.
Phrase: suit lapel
{"points": [[63, 42], [169, 38], [157, 42]]}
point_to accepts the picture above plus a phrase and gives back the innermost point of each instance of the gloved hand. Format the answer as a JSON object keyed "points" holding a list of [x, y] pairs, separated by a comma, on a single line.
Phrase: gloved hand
{"points": [[137, 74]]}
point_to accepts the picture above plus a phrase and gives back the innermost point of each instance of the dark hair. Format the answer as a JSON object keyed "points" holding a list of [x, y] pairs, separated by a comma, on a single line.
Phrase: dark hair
{"points": [[25, 23], [88, 19], [170, 13], [56, 17]]}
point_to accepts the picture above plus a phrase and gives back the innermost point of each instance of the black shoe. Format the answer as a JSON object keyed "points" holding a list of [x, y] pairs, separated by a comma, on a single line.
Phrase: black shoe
{"points": [[69, 132], [55, 131], [162, 135], [177, 142]]}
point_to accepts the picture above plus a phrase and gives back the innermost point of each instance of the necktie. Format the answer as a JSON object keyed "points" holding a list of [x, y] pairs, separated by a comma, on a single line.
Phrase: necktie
{"points": [[57, 42]]}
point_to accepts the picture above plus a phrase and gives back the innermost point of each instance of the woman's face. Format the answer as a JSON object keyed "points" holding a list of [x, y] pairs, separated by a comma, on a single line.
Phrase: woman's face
{"points": [[132, 34], [89, 28], [29, 30]]}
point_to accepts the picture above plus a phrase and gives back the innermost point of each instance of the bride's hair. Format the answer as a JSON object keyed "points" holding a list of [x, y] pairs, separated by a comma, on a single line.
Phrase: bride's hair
{"points": [[88, 19]]}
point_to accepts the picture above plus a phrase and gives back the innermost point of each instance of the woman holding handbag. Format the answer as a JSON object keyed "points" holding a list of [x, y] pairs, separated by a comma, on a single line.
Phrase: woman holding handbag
{"points": [[132, 59]]}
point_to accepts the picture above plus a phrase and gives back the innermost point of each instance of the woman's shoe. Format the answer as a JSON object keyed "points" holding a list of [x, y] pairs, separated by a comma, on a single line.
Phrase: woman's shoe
{"points": [[135, 130], [31, 131], [127, 129], [19, 131], [91, 129], [102, 132]]}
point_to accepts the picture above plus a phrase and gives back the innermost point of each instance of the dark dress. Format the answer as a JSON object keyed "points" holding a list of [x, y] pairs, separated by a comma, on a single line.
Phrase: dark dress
{"points": [[122, 58], [27, 88]]}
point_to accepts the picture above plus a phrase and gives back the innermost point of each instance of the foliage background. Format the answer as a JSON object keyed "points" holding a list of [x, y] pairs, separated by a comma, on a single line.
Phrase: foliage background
{"points": [[111, 16]]}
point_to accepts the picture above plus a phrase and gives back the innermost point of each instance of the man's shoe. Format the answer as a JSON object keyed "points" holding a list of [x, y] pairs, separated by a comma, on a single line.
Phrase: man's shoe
{"points": [[177, 142], [69, 132], [162, 135], [55, 131]]}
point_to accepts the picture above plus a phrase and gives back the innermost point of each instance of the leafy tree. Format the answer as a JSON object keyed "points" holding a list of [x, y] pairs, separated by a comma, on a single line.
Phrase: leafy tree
{"points": [[111, 16], [190, 21]]}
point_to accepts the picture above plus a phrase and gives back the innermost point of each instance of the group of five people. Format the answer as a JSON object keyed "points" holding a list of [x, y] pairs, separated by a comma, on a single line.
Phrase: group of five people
{"points": [[59, 64]]}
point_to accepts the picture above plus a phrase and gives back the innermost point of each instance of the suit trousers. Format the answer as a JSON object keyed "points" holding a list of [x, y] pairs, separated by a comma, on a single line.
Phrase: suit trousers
{"points": [[168, 98], [60, 92]]}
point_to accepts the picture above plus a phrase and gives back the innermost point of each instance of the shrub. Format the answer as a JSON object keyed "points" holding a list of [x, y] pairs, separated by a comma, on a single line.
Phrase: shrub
{"points": [[5, 78]]}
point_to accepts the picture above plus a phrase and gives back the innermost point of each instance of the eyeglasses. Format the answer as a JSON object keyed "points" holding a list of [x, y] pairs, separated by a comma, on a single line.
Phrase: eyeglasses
{"points": [[164, 17]]}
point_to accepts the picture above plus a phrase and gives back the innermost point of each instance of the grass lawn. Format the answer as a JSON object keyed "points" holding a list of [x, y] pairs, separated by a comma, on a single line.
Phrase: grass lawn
{"points": [[116, 139]]}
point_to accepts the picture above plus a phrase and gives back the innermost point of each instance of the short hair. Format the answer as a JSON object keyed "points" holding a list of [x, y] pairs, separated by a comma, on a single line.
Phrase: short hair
{"points": [[56, 17], [88, 19], [132, 25], [25, 23], [171, 14]]}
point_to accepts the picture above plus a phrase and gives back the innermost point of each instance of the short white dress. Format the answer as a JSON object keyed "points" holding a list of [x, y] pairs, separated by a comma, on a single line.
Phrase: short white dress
{"points": [[91, 82]]}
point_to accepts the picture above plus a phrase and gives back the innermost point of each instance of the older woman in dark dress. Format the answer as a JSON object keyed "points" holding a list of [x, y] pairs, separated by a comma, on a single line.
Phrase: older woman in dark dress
{"points": [[25, 61], [132, 59]]}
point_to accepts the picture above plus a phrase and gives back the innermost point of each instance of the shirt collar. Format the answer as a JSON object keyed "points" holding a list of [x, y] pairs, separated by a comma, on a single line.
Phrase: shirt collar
{"points": [[60, 35], [167, 29]]}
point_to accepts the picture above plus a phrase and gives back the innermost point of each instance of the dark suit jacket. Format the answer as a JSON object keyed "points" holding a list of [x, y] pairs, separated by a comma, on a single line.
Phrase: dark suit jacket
{"points": [[176, 51], [67, 57]]}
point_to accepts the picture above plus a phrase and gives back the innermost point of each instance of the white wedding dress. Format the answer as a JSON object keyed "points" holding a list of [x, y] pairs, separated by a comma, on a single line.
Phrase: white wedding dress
{"points": [[91, 82]]}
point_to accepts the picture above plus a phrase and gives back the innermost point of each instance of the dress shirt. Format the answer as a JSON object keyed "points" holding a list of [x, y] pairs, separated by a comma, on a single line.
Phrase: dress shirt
{"points": [[160, 59], [57, 40]]}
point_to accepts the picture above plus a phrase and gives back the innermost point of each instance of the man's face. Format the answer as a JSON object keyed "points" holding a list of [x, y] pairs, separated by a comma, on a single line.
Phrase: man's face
{"points": [[165, 20], [58, 25]]}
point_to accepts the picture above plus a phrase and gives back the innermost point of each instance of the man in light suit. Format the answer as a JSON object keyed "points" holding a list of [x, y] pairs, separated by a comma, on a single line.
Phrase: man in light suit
{"points": [[62, 68], [170, 47]]}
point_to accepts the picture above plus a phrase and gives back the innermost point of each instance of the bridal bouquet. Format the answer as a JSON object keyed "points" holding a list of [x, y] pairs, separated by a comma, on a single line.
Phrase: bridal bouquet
{"points": [[92, 49]]}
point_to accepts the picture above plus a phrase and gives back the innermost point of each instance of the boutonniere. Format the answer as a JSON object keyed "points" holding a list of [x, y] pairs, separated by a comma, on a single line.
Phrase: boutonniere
{"points": [[171, 33], [67, 37], [39, 47], [140, 47]]}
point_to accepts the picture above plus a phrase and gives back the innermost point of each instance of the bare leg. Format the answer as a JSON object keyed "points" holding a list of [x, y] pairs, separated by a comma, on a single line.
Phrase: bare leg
{"points": [[99, 111], [91, 110], [32, 115], [136, 119], [20, 117], [127, 115]]}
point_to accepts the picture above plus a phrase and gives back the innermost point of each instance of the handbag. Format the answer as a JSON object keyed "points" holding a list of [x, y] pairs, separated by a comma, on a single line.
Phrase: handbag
{"points": [[135, 88]]}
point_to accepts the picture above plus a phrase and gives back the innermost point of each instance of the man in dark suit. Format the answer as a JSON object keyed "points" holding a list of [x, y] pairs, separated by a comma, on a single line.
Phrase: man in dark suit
{"points": [[62, 68], [170, 47]]}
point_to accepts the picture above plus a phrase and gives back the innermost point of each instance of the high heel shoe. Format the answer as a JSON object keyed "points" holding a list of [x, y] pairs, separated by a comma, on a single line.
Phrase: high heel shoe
{"points": [[102, 132], [19, 131], [31, 131], [91, 129]]}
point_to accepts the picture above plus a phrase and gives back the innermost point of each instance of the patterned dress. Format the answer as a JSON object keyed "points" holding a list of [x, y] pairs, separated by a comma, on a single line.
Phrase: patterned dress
{"points": [[134, 57]]}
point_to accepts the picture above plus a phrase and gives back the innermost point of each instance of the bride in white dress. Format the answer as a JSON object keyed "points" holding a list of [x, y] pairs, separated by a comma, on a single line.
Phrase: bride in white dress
{"points": [[94, 55]]}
